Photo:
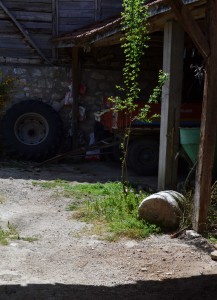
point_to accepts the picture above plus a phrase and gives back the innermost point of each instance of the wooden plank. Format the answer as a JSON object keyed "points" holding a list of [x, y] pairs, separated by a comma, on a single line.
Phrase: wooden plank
{"points": [[13, 60], [190, 25], [109, 4], [30, 7], [77, 13], [23, 31], [33, 16], [170, 106], [208, 132], [77, 5], [55, 26]]}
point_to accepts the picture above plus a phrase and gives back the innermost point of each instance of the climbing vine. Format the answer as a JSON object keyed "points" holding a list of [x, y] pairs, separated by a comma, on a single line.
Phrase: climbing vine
{"points": [[135, 41]]}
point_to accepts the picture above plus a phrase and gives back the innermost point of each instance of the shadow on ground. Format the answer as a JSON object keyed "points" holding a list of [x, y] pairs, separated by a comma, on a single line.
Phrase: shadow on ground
{"points": [[193, 288], [82, 171]]}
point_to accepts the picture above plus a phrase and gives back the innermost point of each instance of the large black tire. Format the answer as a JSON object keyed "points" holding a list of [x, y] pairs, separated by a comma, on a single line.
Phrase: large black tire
{"points": [[31, 130], [143, 156]]}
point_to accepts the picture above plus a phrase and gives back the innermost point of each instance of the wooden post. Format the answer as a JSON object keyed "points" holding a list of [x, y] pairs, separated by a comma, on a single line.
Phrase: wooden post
{"points": [[75, 89], [208, 127], [170, 107]]}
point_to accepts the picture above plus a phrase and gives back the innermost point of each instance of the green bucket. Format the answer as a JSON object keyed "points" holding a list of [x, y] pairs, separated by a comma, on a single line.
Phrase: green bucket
{"points": [[190, 139]]}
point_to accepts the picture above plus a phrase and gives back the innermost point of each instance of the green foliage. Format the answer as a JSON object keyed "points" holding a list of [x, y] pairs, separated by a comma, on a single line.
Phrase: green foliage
{"points": [[52, 184], [135, 41], [109, 207], [154, 98]]}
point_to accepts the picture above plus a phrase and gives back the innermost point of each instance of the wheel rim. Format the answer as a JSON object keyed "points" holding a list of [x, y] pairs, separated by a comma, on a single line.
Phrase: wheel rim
{"points": [[31, 129]]}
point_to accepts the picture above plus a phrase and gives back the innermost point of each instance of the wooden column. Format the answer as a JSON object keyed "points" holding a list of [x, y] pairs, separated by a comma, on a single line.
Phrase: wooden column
{"points": [[208, 126], [75, 88], [170, 107]]}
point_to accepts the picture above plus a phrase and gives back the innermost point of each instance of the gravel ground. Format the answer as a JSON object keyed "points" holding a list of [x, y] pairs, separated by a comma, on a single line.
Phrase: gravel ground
{"points": [[61, 264]]}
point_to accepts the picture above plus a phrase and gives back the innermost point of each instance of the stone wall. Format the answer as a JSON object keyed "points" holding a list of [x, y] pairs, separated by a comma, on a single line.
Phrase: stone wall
{"points": [[46, 83]]}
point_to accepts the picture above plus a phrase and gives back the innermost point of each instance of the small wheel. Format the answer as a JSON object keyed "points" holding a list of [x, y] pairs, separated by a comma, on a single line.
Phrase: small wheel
{"points": [[31, 130], [143, 156]]}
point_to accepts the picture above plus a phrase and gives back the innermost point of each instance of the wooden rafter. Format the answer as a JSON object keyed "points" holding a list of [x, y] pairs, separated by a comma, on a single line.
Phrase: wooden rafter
{"points": [[185, 17], [23, 31]]}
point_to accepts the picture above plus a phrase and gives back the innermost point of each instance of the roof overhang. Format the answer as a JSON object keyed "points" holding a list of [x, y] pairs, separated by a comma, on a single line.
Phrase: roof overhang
{"points": [[109, 31]]}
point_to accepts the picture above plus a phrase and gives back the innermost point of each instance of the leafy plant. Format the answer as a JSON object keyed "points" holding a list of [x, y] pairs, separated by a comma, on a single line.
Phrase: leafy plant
{"points": [[135, 41]]}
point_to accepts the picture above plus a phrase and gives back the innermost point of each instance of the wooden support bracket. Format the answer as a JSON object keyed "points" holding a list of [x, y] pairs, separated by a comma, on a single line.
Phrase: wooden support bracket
{"points": [[185, 17]]}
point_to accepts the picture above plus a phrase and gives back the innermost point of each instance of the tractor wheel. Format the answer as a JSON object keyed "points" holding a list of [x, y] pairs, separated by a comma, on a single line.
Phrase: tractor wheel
{"points": [[31, 130]]}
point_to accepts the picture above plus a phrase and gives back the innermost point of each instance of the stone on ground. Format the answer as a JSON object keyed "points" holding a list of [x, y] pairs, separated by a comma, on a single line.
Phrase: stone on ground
{"points": [[214, 255], [163, 209]]}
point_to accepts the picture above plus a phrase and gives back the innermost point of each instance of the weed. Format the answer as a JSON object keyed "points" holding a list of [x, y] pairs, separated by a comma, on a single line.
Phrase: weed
{"points": [[11, 234], [187, 210]]}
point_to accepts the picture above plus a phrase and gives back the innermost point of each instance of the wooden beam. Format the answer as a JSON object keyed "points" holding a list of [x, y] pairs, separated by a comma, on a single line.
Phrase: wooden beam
{"points": [[170, 106], [23, 31], [185, 17], [208, 132], [75, 88], [98, 9], [55, 26]]}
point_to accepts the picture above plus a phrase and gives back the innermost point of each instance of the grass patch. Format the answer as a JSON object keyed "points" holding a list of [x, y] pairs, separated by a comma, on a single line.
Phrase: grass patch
{"points": [[61, 187], [11, 234], [111, 211], [105, 205]]}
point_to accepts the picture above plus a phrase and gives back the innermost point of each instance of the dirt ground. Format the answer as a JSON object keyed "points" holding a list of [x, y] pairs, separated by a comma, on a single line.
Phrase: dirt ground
{"points": [[63, 265]]}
